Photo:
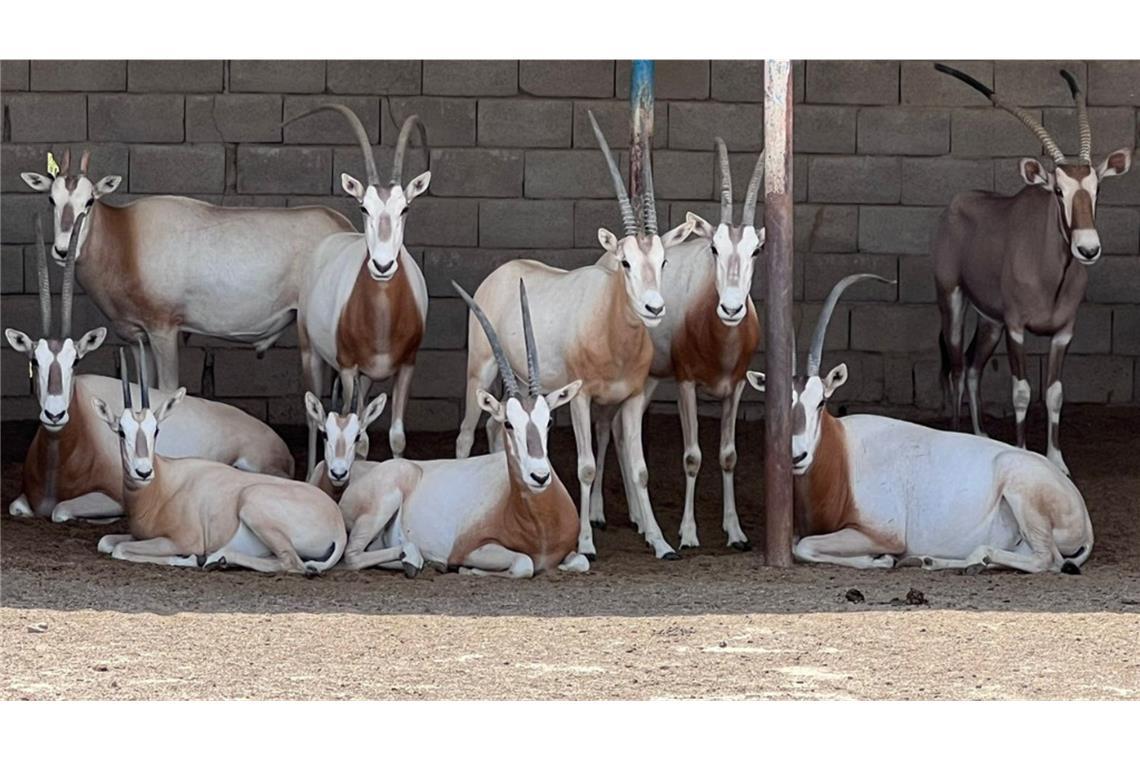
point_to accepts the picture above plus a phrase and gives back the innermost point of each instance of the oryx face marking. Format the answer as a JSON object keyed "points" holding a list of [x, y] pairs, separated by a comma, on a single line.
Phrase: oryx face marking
{"points": [[642, 259], [345, 440], [53, 369], [70, 195], [527, 424], [808, 401], [1076, 187], [384, 210], [735, 250], [137, 433]]}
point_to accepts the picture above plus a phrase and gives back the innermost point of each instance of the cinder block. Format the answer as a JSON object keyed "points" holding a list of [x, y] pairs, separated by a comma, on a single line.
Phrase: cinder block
{"points": [[894, 328], [233, 118], [589, 215], [526, 123], [824, 129], [806, 316], [1119, 229], [613, 120], [916, 279], [672, 80], [470, 77], [854, 179], [1114, 83], [175, 76], [277, 76], [1036, 83], [82, 76], [935, 181], [1097, 379], [822, 271], [446, 325], [526, 224], [442, 221], [440, 374], [1121, 190], [865, 82], [898, 380], [567, 79], [264, 169], [897, 229], [136, 118], [743, 81], [693, 126], [14, 76], [904, 131], [988, 132], [922, 85], [34, 117], [1112, 128], [239, 372], [178, 169], [1116, 279], [351, 161], [374, 77], [570, 174], [16, 213], [447, 121], [824, 229], [1007, 176], [30, 157], [11, 269], [477, 172], [682, 174], [328, 127], [429, 415], [1125, 330], [865, 377]]}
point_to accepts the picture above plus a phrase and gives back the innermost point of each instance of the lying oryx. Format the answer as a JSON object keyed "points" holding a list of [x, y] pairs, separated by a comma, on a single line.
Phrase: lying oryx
{"points": [[194, 512], [71, 469], [346, 440], [872, 491], [504, 513]]}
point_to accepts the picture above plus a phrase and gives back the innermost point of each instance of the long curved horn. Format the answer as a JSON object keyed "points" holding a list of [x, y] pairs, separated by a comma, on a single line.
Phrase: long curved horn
{"points": [[42, 277], [1026, 119], [752, 196], [335, 400], [355, 408], [402, 147], [815, 353], [535, 384], [1082, 118], [357, 129], [144, 376], [84, 160], [508, 374], [67, 294], [66, 163], [725, 183], [649, 199], [628, 219], [125, 379]]}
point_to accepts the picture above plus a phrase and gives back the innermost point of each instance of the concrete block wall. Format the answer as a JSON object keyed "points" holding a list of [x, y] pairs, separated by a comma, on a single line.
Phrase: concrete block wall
{"points": [[881, 148]]}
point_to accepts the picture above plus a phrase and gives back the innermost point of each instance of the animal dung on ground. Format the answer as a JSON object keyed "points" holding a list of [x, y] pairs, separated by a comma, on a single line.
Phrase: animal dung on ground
{"points": [[855, 596]]}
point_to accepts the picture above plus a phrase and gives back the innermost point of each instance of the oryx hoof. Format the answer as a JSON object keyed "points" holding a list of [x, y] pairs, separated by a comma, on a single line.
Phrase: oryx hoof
{"points": [[973, 569], [311, 572], [670, 556], [410, 570], [598, 524], [912, 561], [741, 546], [591, 556], [215, 564]]}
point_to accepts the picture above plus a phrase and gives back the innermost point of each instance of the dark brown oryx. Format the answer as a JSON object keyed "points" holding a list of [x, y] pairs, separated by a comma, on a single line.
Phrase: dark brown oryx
{"points": [[1011, 259], [166, 264]]}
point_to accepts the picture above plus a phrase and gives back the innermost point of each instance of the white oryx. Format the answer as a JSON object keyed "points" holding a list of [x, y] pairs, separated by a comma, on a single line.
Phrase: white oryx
{"points": [[705, 342], [876, 492], [71, 469], [165, 265], [198, 513], [505, 513], [363, 303], [346, 439], [592, 323]]}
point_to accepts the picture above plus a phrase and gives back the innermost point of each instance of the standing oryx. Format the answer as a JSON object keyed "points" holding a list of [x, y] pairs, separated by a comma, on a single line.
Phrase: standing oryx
{"points": [[165, 265], [706, 340], [363, 303], [592, 323], [1011, 259], [71, 469], [504, 513], [346, 439], [871, 490], [194, 512]]}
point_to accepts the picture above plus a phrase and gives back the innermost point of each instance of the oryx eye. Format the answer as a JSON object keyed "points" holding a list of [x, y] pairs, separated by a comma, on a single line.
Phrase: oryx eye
{"points": [[404, 211], [508, 426], [90, 202], [1057, 190], [663, 263], [364, 210], [821, 403], [625, 263], [715, 252], [51, 200]]}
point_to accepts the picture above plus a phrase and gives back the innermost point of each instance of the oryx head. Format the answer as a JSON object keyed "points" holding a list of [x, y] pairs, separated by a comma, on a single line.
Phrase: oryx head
{"points": [[70, 195], [51, 360], [137, 428], [640, 251], [527, 416], [810, 392], [346, 435], [1074, 181], [734, 247]]}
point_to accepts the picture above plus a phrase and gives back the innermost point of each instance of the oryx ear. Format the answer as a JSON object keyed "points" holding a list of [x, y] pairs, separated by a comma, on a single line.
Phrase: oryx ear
{"points": [[373, 410], [107, 185], [104, 413], [1116, 163], [90, 341], [762, 236], [20, 342], [678, 233], [36, 181], [701, 228], [352, 186], [835, 378], [314, 409], [608, 240], [756, 380], [417, 186], [168, 406], [563, 394], [491, 405], [1034, 173]]}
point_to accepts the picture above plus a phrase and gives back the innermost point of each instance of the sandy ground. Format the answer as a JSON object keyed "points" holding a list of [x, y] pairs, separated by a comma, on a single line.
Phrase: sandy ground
{"points": [[74, 624]]}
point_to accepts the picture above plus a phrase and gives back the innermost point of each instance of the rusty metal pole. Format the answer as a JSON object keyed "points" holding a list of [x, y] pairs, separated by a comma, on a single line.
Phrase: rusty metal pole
{"points": [[640, 124], [778, 324]]}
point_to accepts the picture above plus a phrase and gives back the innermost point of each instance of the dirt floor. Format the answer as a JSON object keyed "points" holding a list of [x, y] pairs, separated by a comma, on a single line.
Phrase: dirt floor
{"points": [[78, 625]]}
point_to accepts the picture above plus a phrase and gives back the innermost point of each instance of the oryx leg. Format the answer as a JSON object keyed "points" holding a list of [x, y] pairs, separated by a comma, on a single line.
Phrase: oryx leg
{"points": [[478, 377], [574, 563], [155, 551], [848, 547], [629, 481], [1054, 396], [494, 559], [21, 507], [108, 542], [631, 412], [952, 304], [587, 469], [687, 408], [366, 531], [602, 431], [95, 506], [400, 390], [313, 376], [731, 523], [164, 346], [1015, 344], [986, 338]]}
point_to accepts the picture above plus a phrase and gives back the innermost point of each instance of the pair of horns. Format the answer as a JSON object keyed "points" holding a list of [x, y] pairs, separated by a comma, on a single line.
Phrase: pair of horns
{"points": [[67, 295], [336, 399], [84, 160], [648, 201], [144, 381], [510, 384], [748, 218], [361, 134], [1085, 154]]}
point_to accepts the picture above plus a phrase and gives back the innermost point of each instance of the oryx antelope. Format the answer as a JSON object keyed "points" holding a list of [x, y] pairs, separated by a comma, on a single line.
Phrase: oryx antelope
{"points": [[346, 439], [363, 304], [871, 491], [198, 513], [71, 469], [165, 265], [705, 341], [504, 513], [1011, 259], [592, 324]]}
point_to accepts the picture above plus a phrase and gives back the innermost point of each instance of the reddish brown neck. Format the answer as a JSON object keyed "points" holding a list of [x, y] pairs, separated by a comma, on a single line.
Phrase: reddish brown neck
{"points": [[824, 492]]}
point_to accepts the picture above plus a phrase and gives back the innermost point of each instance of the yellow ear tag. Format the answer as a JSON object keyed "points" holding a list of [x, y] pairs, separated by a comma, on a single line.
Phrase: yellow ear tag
{"points": [[52, 166]]}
